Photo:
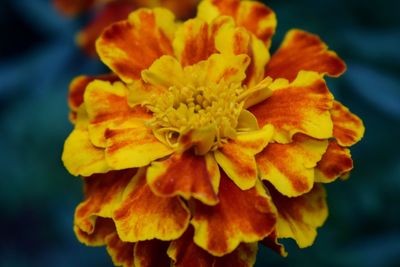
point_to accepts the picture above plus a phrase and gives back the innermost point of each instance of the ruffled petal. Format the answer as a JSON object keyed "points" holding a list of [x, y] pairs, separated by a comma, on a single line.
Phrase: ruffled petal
{"points": [[299, 217], [97, 235], [240, 216], [103, 192], [107, 107], [184, 252], [80, 157], [133, 147], [186, 175], [130, 46], [111, 12], [77, 89], [303, 51], [165, 71], [151, 253], [299, 107], [236, 157], [336, 162], [348, 129], [290, 167], [254, 16], [271, 242], [143, 215], [121, 252]]}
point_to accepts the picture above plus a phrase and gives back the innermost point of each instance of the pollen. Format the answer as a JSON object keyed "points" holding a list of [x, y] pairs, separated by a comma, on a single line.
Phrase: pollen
{"points": [[213, 109]]}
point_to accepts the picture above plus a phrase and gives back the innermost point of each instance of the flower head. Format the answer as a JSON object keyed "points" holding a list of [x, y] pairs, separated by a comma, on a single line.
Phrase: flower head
{"points": [[201, 144]]}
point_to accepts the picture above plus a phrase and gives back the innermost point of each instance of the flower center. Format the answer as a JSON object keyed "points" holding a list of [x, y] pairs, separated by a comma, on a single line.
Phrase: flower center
{"points": [[213, 110]]}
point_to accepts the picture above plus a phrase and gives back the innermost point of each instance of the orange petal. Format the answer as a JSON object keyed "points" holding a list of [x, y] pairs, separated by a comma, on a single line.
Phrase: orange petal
{"points": [[271, 242], [107, 107], [303, 51], [77, 89], [73, 7], [299, 107], [336, 162], [121, 252], [182, 9], [255, 17], [130, 46], [299, 217], [151, 253], [111, 12], [97, 235], [290, 167], [184, 252], [143, 215], [186, 175], [103, 193], [236, 157], [348, 129], [240, 216], [133, 147], [80, 157]]}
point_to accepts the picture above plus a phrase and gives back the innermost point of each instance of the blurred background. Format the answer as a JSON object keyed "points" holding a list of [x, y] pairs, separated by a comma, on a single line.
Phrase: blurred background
{"points": [[38, 58]]}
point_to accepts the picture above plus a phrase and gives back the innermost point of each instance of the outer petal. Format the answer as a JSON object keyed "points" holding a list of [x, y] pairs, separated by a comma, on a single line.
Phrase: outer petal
{"points": [[97, 235], [186, 175], [303, 51], [80, 157], [133, 147], [111, 12], [120, 252], [290, 167], [299, 217], [77, 89], [237, 160], [103, 193], [348, 129], [271, 242], [130, 46], [299, 107], [240, 216], [336, 162], [151, 253], [107, 107], [143, 215], [254, 16], [184, 252]]}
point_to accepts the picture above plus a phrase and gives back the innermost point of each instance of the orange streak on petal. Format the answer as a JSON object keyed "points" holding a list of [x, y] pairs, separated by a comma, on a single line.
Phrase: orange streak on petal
{"points": [[130, 46], [143, 215], [151, 253], [102, 194], [336, 162], [348, 129], [111, 12], [187, 175], [299, 217], [240, 216], [120, 252], [300, 107], [184, 252], [290, 167], [303, 51], [98, 234]]}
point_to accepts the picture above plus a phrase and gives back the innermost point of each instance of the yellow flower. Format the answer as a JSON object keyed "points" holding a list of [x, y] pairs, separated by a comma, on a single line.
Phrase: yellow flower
{"points": [[201, 144], [109, 11]]}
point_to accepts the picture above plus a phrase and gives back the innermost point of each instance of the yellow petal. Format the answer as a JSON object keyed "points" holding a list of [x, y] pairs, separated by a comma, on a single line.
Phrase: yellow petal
{"points": [[237, 159], [165, 71], [290, 167], [80, 157]]}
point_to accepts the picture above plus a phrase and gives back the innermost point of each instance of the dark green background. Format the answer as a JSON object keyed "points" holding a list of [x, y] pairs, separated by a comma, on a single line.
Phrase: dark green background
{"points": [[37, 195]]}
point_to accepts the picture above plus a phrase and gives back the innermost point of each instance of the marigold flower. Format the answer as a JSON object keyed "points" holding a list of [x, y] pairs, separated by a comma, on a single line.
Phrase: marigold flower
{"points": [[109, 11], [201, 144]]}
